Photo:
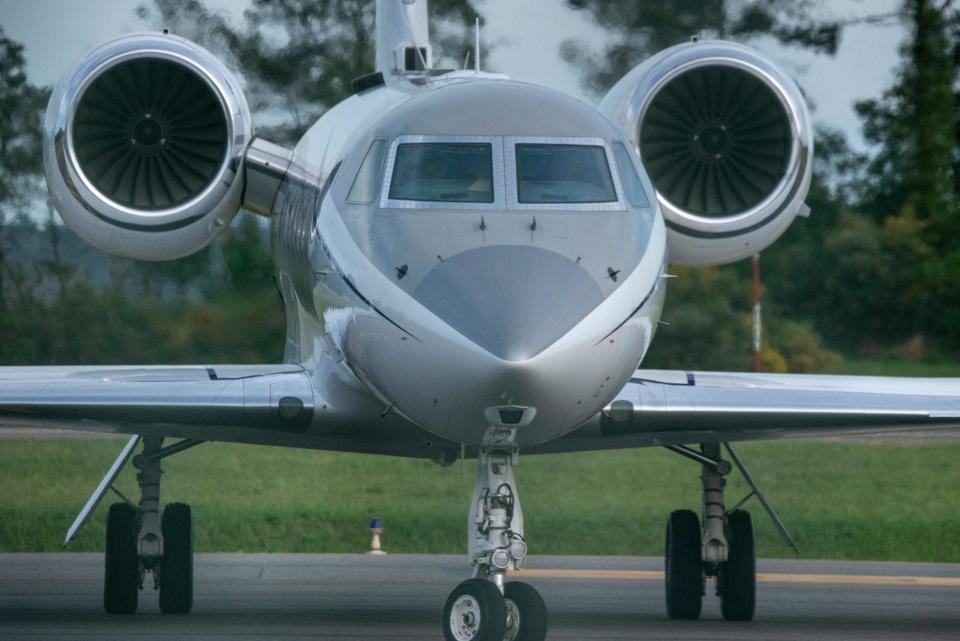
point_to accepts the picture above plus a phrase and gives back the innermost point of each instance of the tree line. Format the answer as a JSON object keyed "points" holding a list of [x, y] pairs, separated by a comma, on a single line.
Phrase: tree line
{"points": [[874, 269]]}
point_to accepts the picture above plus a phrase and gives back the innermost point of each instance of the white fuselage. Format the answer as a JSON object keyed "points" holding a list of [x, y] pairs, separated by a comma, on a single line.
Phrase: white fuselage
{"points": [[451, 313]]}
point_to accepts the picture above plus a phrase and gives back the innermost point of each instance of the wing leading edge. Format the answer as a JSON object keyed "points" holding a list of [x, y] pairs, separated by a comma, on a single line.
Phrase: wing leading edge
{"points": [[205, 402], [275, 403], [662, 407]]}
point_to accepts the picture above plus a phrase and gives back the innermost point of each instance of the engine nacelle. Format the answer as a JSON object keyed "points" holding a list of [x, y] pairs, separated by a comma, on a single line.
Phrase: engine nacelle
{"points": [[726, 138], [144, 141]]}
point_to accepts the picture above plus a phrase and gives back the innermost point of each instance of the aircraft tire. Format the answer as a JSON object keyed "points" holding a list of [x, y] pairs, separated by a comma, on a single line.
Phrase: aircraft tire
{"points": [[475, 611], [529, 612], [684, 566], [176, 567], [121, 581], [737, 577]]}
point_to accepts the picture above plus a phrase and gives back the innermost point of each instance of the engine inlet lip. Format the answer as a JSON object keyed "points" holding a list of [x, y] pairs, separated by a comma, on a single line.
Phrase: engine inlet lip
{"points": [[185, 212], [794, 163]]}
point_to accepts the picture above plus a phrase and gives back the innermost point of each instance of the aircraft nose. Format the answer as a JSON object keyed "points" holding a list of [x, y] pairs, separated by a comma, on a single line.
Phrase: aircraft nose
{"points": [[512, 300]]}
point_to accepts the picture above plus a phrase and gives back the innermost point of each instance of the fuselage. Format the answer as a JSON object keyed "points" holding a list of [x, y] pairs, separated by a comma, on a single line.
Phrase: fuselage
{"points": [[484, 256]]}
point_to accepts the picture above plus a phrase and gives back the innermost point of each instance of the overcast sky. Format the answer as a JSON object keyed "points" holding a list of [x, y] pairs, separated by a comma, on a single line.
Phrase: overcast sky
{"points": [[527, 33]]}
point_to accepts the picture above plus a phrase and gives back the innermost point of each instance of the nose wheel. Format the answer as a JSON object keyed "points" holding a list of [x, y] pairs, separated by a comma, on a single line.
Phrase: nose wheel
{"points": [[526, 613], [475, 611]]}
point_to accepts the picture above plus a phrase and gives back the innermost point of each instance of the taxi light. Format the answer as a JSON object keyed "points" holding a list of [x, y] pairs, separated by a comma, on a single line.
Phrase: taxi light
{"points": [[511, 415]]}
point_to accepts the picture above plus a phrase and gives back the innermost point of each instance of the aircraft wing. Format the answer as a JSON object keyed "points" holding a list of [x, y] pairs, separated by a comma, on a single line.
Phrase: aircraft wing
{"points": [[200, 402], [676, 407]]}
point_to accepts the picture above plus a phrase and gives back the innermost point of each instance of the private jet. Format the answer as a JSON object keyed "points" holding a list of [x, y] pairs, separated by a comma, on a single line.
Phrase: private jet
{"points": [[471, 267]]}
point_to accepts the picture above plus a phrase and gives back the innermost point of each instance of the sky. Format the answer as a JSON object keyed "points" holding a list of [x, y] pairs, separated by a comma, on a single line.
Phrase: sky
{"points": [[526, 33]]}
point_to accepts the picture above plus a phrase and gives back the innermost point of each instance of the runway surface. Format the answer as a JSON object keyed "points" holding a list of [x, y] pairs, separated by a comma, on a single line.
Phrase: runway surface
{"points": [[398, 597]]}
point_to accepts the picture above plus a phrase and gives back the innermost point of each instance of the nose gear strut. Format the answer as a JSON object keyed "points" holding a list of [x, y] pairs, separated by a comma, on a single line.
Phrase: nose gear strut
{"points": [[485, 607], [496, 541]]}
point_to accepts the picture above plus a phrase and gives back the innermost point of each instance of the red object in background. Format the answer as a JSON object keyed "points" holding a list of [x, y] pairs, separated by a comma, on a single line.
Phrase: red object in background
{"points": [[757, 366]]}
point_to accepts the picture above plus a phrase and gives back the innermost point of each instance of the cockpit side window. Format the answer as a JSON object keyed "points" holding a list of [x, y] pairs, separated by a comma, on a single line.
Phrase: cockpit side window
{"points": [[367, 182], [560, 173], [632, 187], [452, 172]]}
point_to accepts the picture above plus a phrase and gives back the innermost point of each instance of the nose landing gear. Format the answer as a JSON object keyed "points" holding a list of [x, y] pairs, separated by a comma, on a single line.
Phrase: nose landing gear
{"points": [[485, 607]]}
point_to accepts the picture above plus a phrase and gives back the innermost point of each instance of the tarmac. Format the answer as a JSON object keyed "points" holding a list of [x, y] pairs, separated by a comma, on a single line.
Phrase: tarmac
{"points": [[399, 597]]}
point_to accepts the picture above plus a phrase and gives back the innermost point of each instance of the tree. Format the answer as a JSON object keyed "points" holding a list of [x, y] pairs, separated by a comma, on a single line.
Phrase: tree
{"points": [[640, 29], [882, 234], [709, 309], [300, 56], [21, 139], [298, 59], [702, 330], [910, 124], [913, 178]]}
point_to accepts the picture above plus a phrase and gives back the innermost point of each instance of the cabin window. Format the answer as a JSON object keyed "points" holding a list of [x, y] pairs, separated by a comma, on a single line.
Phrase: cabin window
{"points": [[449, 172], [561, 173], [632, 187], [365, 185]]}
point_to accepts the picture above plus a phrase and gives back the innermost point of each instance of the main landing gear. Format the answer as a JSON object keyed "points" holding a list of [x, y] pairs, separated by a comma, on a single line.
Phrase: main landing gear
{"points": [[140, 540], [485, 607], [725, 551]]}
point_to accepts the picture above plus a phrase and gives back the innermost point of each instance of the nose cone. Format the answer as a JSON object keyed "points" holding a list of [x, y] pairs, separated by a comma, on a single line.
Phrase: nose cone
{"points": [[512, 300]]}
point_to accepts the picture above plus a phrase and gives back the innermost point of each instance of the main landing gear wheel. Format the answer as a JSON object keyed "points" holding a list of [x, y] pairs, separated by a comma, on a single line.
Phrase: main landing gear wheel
{"points": [[737, 577], [121, 581], [176, 566], [684, 566], [526, 613], [475, 611]]}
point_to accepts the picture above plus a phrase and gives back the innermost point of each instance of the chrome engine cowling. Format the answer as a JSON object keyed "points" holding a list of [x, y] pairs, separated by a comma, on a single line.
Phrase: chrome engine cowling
{"points": [[144, 141], [726, 137]]}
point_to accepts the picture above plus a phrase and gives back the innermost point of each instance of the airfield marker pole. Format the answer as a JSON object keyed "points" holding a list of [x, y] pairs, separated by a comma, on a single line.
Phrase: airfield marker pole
{"points": [[757, 327], [376, 529]]}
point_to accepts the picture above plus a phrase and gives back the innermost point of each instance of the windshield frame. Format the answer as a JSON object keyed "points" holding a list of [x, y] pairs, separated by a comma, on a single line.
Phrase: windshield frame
{"points": [[510, 169], [496, 153]]}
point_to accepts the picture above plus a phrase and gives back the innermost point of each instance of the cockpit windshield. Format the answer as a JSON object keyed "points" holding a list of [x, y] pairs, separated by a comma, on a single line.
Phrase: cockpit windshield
{"points": [[443, 172], [513, 173], [558, 173]]}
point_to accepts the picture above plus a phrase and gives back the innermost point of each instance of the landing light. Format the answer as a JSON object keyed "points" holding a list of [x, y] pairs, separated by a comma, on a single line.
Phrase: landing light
{"points": [[510, 415]]}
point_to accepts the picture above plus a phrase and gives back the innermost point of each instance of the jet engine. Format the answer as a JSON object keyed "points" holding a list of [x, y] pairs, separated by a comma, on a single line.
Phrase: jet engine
{"points": [[726, 138], [144, 141]]}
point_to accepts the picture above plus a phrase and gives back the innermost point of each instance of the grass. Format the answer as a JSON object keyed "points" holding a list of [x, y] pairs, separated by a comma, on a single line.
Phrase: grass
{"points": [[895, 366], [850, 501]]}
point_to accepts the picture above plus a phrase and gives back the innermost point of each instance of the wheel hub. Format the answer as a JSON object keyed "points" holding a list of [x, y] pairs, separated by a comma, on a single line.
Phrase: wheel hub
{"points": [[465, 618], [513, 620]]}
